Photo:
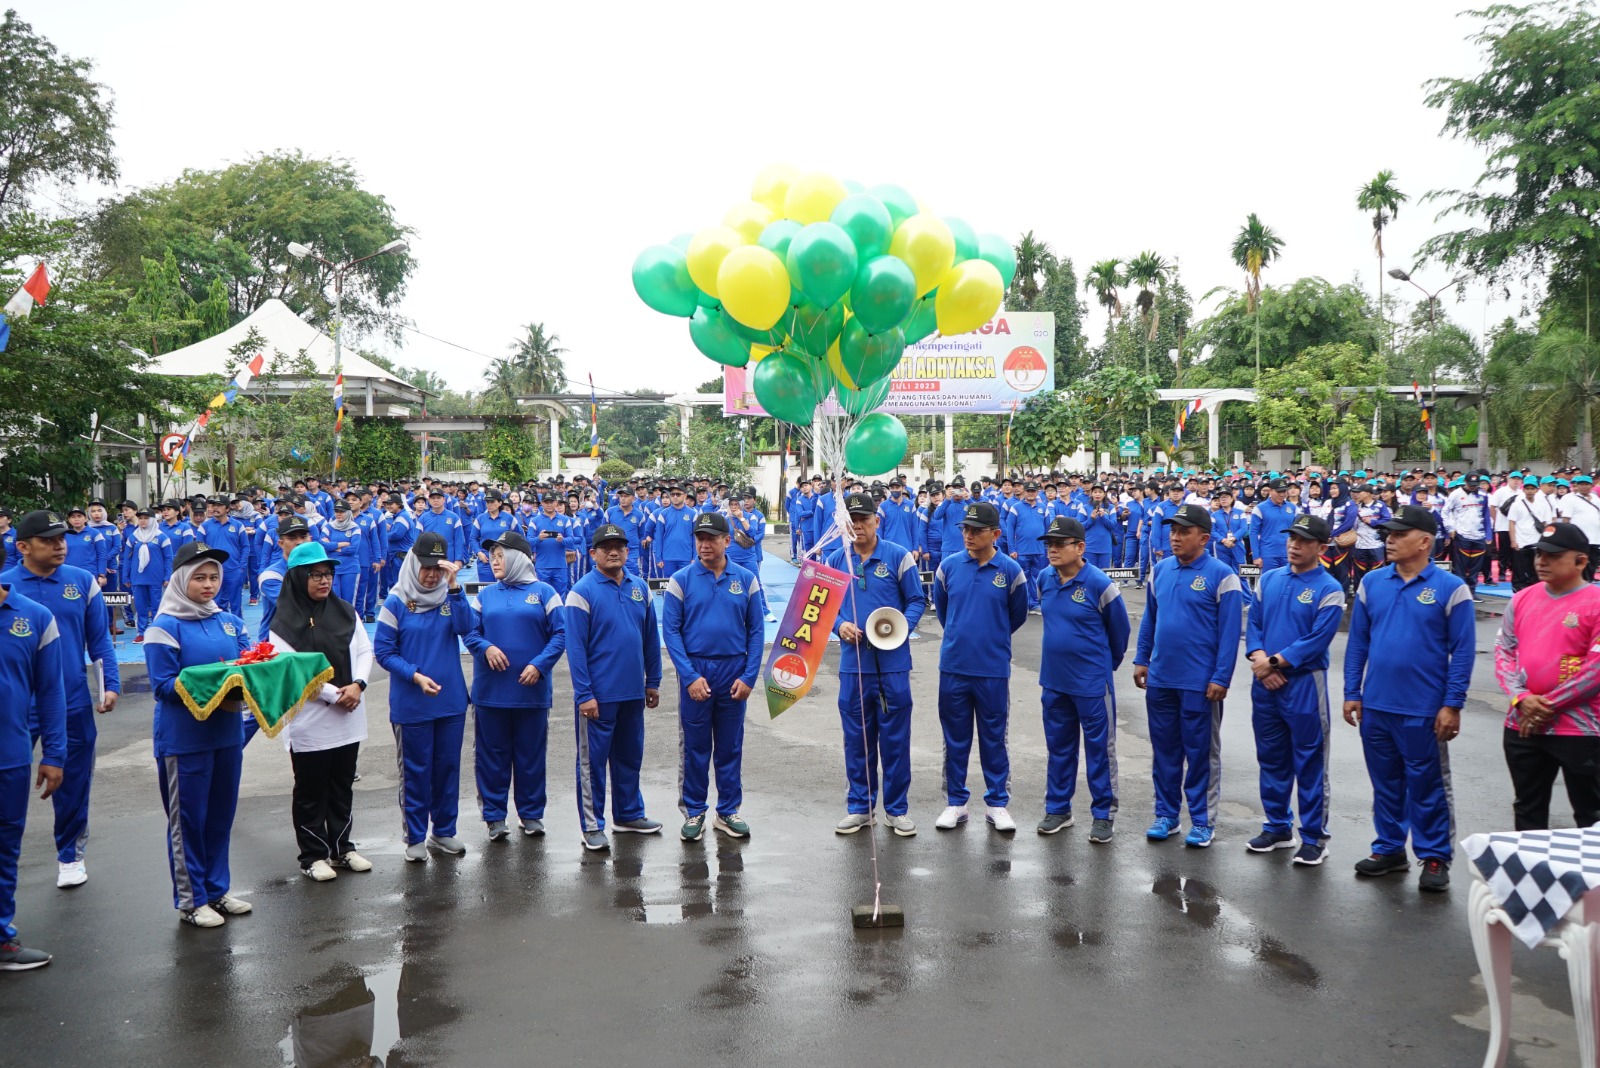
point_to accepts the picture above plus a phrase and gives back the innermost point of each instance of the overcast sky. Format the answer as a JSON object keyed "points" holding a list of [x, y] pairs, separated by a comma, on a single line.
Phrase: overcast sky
{"points": [[536, 148]]}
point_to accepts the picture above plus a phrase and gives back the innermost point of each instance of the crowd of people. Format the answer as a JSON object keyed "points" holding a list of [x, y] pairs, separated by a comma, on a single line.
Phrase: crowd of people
{"points": [[1260, 563]]}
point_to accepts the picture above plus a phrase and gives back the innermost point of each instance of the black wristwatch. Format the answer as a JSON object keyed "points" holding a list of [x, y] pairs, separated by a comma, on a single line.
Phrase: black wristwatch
{"points": [[1274, 663], [363, 684]]}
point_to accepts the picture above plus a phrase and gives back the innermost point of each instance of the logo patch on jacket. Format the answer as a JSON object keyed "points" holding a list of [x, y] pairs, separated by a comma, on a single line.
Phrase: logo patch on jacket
{"points": [[444, 609], [1000, 580], [532, 598], [1427, 596], [638, 594], [882, 570], [735, 587], [1199, 583], [1080, 595], [72, 593], [1571, 621], [20, 627], [230, 630], [1305, 596]]}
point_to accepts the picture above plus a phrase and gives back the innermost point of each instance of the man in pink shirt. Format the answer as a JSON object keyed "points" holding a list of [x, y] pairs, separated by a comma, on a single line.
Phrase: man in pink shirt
{"points": [[1547, 659]]}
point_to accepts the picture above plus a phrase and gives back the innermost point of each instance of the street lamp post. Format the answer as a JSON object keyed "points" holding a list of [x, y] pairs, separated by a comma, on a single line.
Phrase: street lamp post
{"points": [[1433, 379], [299, 251]]}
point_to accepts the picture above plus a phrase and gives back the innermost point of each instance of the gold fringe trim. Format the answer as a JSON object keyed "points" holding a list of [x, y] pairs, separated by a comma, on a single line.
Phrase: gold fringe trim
{"points": [[235, 680]]}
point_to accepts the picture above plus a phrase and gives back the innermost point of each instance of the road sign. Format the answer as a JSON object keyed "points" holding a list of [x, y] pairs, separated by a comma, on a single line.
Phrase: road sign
{"points": [[170, 444], [1128, 446]]}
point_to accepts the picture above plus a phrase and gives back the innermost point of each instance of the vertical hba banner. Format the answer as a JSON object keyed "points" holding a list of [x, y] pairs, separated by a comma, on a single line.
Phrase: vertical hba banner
{"points": [[803, 634]]}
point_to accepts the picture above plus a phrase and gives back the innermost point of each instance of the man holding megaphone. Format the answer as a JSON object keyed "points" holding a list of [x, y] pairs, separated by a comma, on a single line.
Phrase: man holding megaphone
{"points": [[883, 606]]}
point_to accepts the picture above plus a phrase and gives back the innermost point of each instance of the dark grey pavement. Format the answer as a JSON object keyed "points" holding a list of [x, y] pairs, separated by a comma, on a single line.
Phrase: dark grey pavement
{"points": [[1018, 950]]}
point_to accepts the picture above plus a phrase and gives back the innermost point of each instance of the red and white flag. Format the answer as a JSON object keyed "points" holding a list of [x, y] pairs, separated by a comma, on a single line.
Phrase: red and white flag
{"points": [[33, 291]]}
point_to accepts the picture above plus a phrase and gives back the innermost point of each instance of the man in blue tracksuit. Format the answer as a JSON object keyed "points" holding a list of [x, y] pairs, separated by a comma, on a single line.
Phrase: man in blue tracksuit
{"points": [[1132, 514], [438, 519], [899, 515], [713, 630], [1269, 527], [614, 655], [1291, 624], [875, 684], [1188, 643], [222, 531], [630, 517], [673, 542], [981, 597], [30, 674], [292, 533], [1406, 670], [72, 595], [1085, 638], [1024, 525]]}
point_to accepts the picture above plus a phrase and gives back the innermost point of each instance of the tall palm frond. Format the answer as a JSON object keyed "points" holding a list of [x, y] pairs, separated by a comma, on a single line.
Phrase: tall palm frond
{"points": [[1256, 246], [1104, 278], [1381, 197], [1034, 258]]}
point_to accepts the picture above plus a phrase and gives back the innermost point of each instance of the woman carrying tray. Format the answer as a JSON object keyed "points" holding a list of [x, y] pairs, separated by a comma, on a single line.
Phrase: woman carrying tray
{"points": [[326, 735]]}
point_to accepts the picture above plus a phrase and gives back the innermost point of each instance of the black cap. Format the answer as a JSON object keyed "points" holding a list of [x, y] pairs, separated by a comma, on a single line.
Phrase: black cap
{"points": [[76, 510], [1064, 527], [170, 503], [1278, 484], [1030, 485], [1312, 527], [395, 498], [101, 501], [294, 525], [1191, 515], [711, 523], [625, 488], [511, 540], [860, 504], [41, 524], [197, 550], [492, 495], [1412, 517], [982, 515], [141, 512], [430, 548], [341, 506], [608, 532], [1560, 538], [436, 492]]}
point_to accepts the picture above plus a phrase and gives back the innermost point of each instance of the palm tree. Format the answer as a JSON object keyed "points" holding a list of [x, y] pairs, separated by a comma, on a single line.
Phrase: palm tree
{"points": [[1104, 278], [1034, 258], [538, 361], [1255, 246], [1560, 387], [1380, 197]]}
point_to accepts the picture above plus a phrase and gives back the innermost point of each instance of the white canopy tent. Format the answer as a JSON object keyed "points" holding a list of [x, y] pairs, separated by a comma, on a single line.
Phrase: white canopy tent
{"points": [[284, 335]]}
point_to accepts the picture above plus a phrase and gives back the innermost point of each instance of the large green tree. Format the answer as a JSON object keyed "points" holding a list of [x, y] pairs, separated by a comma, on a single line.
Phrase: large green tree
{"points": [[1321, 400], [55, 120], [1034, 263], [1560, 387], [1307, 312], [534, 366], [1060, 298]]}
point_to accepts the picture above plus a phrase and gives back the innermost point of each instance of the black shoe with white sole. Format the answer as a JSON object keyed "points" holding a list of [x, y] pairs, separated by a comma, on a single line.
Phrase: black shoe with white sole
{"points": [[15, 957]]}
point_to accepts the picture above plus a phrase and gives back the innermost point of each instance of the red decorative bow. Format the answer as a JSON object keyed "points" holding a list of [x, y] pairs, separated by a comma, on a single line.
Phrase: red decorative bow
{"points": [[259, 655]]}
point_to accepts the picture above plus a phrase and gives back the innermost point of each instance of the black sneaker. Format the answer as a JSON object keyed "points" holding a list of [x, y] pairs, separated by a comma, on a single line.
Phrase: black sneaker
{"points": [[1267, 841], [1309, 853], [1435, 877], [15, 957], [1382, 864]]}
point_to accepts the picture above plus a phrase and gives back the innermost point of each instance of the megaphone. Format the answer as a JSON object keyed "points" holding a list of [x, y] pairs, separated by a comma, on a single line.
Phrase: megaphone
{"points": [[886, 628]]}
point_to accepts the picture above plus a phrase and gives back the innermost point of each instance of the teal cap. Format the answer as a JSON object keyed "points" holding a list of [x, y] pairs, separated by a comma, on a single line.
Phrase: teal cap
{"points": [[311, 552]]}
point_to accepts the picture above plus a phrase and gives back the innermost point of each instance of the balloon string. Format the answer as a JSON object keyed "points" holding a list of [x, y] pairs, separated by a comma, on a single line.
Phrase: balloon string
{"points": [[866, 749]]}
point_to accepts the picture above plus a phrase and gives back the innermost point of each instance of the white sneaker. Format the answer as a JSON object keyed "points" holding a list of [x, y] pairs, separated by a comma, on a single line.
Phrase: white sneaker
{"points": [[233, 906], [1000, 818], [71, 873], [853, 822], [320, 871], [204, 916], [356, 862], [447, 844], [951, 818], [771, 618], [416, 852], [904, 826]]}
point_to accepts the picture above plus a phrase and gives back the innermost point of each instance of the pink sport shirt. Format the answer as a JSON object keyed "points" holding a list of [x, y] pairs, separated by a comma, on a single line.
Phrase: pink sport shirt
{"points": [[1550, 646]]}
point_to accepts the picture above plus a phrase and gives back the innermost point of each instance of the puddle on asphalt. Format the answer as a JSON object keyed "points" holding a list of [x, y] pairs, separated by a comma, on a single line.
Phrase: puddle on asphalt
{"points": [[358, 1024], [1243, 941], [1073, 937]]}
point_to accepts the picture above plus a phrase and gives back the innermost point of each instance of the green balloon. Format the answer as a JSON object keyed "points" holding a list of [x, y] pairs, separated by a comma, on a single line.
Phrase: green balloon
{"points": [[966, 239], [823, 380], [865, 358], [706, 300], [812, 329], [782, 385], [922, 321], [822, 263], [866, 220], [998, 251], [883, 294], [681, 243], [661, 278], [777, 235], [876, 445], [862, 401], [710, 334], [901, 205]]}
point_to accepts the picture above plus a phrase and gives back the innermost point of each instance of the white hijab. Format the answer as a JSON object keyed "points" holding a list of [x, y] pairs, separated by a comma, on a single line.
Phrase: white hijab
{"points": [[144, 536], [409, 587], [518, 568], [175, 600]]}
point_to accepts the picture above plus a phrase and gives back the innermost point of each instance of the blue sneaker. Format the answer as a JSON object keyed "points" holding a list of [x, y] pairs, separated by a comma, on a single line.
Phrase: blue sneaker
{"points": [[1199, 837], [1163, 828]]}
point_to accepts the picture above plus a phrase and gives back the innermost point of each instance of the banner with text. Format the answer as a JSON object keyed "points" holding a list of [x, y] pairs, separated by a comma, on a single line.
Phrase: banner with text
{"points": [[1004, 362], [803, 634]]}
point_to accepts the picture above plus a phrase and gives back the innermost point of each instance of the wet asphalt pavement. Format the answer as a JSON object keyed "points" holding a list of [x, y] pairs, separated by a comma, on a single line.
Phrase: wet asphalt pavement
{"points": [[1017, 950]]}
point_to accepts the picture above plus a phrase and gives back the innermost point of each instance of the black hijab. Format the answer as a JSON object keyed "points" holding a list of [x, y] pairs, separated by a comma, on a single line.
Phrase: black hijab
{"points": [[324, 627]]}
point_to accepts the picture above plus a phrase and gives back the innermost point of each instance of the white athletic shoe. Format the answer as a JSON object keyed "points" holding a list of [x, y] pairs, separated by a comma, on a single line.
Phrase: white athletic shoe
{"points": [[1000, 818], [904, 826], [416, 852], [447, 844], [951, 818], [853, 822], [320, 871], [204, 916], [71, 873], [355, 861], [233, 906]]}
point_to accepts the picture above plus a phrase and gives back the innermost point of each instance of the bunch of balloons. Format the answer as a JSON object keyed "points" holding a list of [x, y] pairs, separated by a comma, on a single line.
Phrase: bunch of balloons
{"points": [[822, 284]]}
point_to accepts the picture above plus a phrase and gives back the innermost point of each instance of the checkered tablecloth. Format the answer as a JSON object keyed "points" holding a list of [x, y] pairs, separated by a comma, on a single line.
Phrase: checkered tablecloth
{"points": [[1537, 876]]}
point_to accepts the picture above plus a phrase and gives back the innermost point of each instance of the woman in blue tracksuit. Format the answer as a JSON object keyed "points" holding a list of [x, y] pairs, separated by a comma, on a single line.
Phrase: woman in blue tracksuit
{"points": [[198, 760], [346, 544], [146, 566], [516, 639], [424, 614]]}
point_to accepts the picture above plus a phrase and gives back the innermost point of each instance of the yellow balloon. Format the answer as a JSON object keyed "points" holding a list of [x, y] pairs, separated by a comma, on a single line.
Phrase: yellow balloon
{"points": [[812, 197], [749, 219], [835, 364], [772, 185], [758, 351], [753, 285], [926, 245], [969, 295], [707, 250]]}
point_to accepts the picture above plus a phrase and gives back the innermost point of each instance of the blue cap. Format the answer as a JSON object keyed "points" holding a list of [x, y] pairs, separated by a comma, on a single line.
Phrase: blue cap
{"points": [[1563, 482], [1530, 480], [1583, 478], [311, 552], [1361, 474]]}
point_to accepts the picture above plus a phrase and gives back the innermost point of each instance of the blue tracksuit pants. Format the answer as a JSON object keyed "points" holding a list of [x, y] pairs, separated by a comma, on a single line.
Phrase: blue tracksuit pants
{"points": [[14, 784], [1067, 717], [231, 596], [429, 758], [1411, 791], [367, 593], [965, 702], [1132, 555], [200, 792], [1032, 564], [1185, 729], [711, 732], [344, 585], [1100, 560], [71, 800], [558, 577], [508, 745], [886, 701], [1291, 728], [145, 600], [612, 743]]}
